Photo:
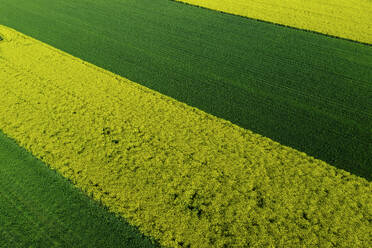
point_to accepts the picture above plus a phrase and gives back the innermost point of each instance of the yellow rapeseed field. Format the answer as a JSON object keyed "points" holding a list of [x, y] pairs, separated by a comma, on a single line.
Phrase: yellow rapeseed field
{"points": [[181, 175], [350, 19]]}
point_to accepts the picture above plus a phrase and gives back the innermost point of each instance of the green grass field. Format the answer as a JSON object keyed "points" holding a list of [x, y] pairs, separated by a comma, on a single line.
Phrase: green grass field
{"points": [[304, 90], [40, 208]]}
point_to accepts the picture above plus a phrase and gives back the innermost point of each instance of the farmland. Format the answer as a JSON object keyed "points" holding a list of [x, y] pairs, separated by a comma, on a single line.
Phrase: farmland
{"points": [[189, 126], [304, 90], [42, 209], [95, 135], [341, 18]]}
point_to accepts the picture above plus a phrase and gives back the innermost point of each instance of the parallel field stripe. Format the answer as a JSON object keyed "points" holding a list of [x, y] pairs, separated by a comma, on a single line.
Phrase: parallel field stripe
{"points": [[304, 90], [341, 18], [40, 208], [181, 175]]}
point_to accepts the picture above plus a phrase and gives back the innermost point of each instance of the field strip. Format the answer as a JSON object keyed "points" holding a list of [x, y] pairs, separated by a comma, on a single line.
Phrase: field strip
{"points": [[40, 208], [182, 176], [301, 89], [340, 18]]}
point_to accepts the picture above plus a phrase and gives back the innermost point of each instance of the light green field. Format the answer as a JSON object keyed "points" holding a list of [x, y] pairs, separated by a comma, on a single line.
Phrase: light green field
{"points": [[301, 89], [40, 208], [349, 19], [179, 174], [304, 90]]}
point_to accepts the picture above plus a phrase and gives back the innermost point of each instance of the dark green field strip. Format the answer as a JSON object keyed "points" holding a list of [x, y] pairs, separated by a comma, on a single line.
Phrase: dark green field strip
{"points": [[304, 90], [39, 208]]}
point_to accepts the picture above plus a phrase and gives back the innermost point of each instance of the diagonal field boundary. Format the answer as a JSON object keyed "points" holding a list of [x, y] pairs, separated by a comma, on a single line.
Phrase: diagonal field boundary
{"points": [[181, 175], [304, 90], [339, 18], [40, 208]]}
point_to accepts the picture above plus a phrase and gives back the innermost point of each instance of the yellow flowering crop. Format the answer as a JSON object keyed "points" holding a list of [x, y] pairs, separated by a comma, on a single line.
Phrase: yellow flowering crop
{"points": [[185, 177], [350, 19]]}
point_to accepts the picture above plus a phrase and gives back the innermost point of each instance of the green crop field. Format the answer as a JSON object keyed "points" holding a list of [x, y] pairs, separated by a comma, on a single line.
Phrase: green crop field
{"points": [[39, 208], [305, 90]]}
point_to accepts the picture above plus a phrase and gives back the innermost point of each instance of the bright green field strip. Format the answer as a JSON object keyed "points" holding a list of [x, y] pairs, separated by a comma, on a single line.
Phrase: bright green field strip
{"points": [[301, 89], [39, 208], [341, 18], [184, 177]]}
